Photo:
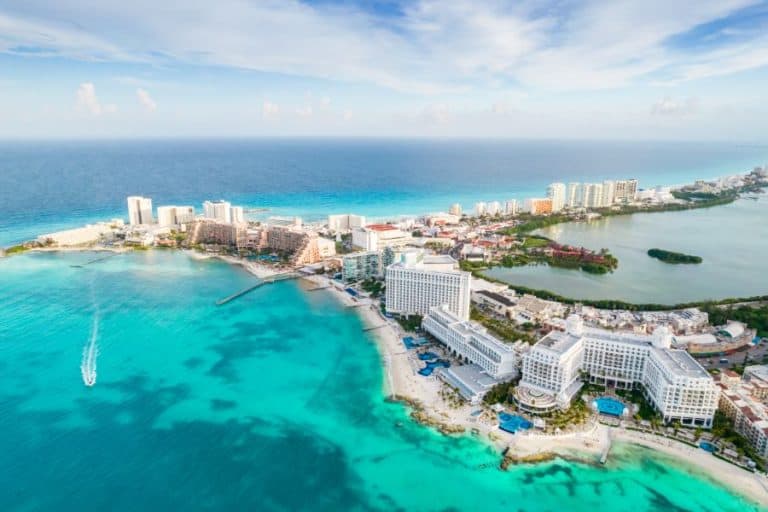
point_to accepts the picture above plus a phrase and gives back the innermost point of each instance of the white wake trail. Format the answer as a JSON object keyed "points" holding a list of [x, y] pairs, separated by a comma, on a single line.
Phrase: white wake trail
{"points": [[90, 353]]}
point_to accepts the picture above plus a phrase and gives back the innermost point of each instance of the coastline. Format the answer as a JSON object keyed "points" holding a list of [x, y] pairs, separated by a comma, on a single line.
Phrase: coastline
{"points": [[403, 384]]}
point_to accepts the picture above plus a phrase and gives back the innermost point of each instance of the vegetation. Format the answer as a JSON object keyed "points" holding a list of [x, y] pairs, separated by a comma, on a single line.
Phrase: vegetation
{"points": [[646, 410], [755, 317], [501, 393], [673, 257], [410, 323], [373, 286], [504, 329], [16, 249], [723, 429]]}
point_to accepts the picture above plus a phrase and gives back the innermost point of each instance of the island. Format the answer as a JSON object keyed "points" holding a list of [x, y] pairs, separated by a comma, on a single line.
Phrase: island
{"points": [[673, 257]]}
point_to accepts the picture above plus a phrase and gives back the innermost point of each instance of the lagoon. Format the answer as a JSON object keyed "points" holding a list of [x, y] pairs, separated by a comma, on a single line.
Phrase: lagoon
{"points": [[732, 240]]}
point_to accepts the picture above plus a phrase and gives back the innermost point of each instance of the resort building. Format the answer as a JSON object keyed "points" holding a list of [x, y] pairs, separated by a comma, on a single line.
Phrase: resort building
{"points": [[171, 216], [220, 211], [414, 287], [218, 233], [139, 210], [609, 192], [530, 308], [675, 383], [495, 302], [556, 194], [345, 222], [494, 208], [592, 195], [481, 209], [537, 206], [743, 400], [455, 209], [471, 342], [360, 266], [375, 237]]}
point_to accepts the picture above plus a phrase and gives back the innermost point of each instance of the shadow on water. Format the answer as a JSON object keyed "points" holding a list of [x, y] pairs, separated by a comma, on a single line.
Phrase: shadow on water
{"points": [[193, 465]]}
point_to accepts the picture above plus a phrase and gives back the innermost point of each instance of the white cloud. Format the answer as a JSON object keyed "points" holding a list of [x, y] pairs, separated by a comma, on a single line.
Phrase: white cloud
{"points": [[436, 47], [438, 113], [269, 109], [87, 101], [347, 116], [674, 107], [146, 100], [325, 101]]}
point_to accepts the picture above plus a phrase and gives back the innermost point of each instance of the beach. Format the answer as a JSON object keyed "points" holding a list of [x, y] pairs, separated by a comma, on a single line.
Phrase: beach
{"points": [[402, 382]]}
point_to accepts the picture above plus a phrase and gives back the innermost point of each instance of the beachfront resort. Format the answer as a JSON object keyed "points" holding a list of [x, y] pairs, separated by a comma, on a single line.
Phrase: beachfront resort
{"points": [[469, 354]]}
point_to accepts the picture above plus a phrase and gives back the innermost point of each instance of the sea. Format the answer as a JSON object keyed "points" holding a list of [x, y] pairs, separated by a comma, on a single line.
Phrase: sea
{"points": [[274, 401]]}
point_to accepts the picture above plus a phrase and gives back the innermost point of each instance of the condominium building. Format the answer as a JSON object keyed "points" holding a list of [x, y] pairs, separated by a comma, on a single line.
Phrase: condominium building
{"points": [[345, 222], [625, 191], [512, 207], [361, 265], [471, 342], [573, 195], [675, 383], [481, 209], [493, 208], [455, 209], [537, 206], [415, 287], [169, 216], [219, 233], [139, 210], [592, 195], [609, 193], [556, 193], [238, 214]]}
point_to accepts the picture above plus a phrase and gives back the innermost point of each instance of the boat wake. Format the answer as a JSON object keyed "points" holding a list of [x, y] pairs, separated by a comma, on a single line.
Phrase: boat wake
{"points": [[90, 353]]}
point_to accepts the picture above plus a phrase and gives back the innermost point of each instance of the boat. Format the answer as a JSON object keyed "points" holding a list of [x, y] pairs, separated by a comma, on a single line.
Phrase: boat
{"points": [[90, 353]]}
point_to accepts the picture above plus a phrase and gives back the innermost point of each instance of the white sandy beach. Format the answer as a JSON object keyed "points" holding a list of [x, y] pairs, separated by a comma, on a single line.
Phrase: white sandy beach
{"points": [[401, 380]]}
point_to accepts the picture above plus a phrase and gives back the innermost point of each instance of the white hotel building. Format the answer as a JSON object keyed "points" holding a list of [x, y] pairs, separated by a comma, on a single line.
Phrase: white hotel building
{"points": [[413, 288], [677, 386], [471, 341]]}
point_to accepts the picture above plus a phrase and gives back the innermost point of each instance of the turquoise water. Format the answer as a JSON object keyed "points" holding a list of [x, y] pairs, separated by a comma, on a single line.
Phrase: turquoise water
{"points": [[732, 239], [272, 402]]}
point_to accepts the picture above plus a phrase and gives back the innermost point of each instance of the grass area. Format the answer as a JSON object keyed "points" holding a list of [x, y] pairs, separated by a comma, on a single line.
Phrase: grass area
{"points": [[646, 410], [723, 430], [504, 329], [673, 257], [535, 242], [501, 393], [16, 249], [373, 286]]}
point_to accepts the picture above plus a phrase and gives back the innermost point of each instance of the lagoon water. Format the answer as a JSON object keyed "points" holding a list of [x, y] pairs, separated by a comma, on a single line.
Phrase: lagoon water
{"points": [[731, 239], [273, 402]]}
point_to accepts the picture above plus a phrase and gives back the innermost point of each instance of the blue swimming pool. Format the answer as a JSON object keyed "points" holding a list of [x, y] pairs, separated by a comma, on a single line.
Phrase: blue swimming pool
{"points": [[708, 447], [431, 365], [411, 342], [609, 406], [427, 356], [512, 422]]}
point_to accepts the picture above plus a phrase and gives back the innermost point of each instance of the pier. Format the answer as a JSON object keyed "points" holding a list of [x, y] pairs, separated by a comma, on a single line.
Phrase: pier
{"points": [[374, 327], [96, 260], [606, 449], [259, 284]]}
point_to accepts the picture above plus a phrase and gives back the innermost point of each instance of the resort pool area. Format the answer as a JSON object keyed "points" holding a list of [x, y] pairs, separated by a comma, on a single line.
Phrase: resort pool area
{"points": [[430, 367], [411, 342], [428, 356], [512, 422], [708, 447], [609, 406]]}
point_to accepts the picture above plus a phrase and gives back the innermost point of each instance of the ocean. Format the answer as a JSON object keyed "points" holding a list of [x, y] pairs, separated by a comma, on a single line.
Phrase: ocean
{"points": [[273, 402], [47, 186]]}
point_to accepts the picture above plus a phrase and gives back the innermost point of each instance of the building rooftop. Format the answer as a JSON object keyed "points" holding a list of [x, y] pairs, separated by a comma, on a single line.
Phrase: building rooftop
{"points": [[681, 362], [501, 299], [558, 342], [381, 227]]}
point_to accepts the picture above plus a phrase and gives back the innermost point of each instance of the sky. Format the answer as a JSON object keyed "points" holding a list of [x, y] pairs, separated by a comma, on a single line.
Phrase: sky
{"points": [[671, 70]]}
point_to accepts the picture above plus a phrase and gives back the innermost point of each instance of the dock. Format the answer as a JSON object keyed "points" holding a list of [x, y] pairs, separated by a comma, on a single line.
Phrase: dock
{"points": [[374, 327], [259, 284], [96, 260]]}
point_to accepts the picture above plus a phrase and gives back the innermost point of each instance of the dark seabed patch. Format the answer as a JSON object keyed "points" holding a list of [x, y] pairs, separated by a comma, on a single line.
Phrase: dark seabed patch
{"points": [[217, 404]]}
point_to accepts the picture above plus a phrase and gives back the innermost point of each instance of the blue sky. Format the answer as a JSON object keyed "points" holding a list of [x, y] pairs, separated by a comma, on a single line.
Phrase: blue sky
{"points": [[559, 69]]}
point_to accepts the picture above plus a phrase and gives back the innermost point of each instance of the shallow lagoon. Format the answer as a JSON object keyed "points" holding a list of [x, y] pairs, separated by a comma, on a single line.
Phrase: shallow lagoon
{"points": [[732, 239]]}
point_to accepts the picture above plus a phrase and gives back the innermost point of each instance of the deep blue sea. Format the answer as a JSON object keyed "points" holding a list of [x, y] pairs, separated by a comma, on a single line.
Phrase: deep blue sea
{"points": [[273, 402], [46, 186]]}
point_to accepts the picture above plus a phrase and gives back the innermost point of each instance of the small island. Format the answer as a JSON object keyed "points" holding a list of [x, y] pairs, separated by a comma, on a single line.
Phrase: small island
{"points": [[673, 257]]}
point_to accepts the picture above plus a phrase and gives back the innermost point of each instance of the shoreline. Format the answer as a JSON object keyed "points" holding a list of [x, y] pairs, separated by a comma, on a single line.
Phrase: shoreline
{"points": [[401, 383]]}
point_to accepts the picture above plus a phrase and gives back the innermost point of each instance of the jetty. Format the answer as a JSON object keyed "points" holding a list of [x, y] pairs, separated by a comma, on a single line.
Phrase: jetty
{"points": [[606, 448], [96, 260], [374, 327], [258, 284]]}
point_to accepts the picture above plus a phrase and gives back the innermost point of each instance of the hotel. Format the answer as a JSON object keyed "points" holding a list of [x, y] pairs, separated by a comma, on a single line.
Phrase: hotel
{"points": [[556, 194], [170, 216], [677, 386], [471, 342], [360, 266], [139, 210], [414, 287]]}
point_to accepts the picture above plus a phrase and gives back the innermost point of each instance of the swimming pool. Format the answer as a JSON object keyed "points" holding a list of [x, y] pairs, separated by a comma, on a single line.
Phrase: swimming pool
{"points": [[708, 447], [609, 406], [512, 422], [427, 356], [427, 370]]}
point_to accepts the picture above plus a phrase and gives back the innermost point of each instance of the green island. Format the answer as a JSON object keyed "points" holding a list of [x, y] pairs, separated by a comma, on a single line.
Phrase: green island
{"points": [[673, 257]]}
